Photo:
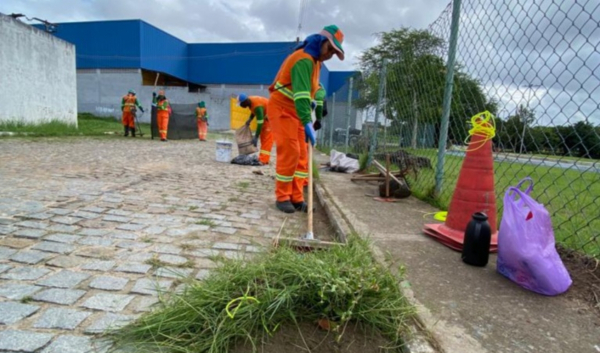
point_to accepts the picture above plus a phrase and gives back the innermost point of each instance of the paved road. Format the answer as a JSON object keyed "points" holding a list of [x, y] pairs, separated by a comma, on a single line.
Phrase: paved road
{"points": [[89, 228]]}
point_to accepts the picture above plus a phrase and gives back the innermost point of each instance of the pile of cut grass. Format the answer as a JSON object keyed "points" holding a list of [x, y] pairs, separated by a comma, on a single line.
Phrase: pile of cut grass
{"points": [[343, 284]]}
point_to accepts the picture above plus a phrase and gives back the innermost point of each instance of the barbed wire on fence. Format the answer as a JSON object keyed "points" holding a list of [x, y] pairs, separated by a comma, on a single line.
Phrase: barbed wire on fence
{"points": [[534, 65]]}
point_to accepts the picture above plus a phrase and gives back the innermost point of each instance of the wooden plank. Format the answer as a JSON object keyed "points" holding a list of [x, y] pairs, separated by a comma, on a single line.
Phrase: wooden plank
{"points": [[382, 170], [387, 175], [370, 179]]}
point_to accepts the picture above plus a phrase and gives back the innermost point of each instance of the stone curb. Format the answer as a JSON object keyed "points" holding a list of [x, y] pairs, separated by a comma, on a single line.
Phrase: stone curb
{"points": [[422, 340]]}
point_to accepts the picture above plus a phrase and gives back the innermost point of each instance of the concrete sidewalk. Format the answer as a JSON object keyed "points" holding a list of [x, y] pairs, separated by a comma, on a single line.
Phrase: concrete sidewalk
{"points": [[465, 308]]}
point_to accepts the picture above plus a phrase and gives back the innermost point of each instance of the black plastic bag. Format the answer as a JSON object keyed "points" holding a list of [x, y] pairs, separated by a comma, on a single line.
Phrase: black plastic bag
{"points": [[246, 159]]}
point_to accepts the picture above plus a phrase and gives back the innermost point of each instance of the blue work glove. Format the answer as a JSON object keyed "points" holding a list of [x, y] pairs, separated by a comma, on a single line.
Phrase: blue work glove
{"points": [[309, 132], [142, 109], [313, 105], [153, 94]]}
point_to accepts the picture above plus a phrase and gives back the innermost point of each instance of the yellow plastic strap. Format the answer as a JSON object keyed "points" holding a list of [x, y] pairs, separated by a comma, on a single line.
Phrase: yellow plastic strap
{"points": [[241, 299], [483, 124], [438, 216]]}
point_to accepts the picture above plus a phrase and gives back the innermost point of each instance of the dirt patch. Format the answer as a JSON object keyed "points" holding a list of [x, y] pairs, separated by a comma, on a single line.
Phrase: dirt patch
{"points": [[322, 228], [308, 337], [585, 273]]}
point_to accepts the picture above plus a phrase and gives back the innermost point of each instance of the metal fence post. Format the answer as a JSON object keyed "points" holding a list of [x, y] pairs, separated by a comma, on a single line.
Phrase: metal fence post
{"points": [[348, 112], [382, 77], [332, 120], [439, 173]]}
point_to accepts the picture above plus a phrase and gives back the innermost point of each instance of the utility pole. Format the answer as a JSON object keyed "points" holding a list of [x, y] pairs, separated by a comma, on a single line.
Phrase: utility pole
{"points": [[348, 113], [524, 118]]}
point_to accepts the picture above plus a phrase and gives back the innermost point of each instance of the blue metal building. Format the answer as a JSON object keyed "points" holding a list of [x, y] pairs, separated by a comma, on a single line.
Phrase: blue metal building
{"points": [[136, 44]]}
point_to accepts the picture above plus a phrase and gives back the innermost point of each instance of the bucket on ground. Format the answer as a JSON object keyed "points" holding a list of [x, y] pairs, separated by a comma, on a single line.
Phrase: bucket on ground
{"points": [[223, 151]]}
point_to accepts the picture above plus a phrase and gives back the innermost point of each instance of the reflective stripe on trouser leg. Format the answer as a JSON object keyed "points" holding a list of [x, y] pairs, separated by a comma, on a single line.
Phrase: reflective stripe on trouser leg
{"points": [[266, 143], [163, 123], [301, 173], [285, 131]]}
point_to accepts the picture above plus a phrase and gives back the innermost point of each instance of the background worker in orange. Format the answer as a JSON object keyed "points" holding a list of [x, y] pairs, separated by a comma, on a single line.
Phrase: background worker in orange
{"points": [[128, 107], [289, 107], [202, 117], [163, 110], [258, 107]]}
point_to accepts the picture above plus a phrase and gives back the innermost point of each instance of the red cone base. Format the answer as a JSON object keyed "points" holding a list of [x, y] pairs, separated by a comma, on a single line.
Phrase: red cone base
{"points": [[453, 238]]}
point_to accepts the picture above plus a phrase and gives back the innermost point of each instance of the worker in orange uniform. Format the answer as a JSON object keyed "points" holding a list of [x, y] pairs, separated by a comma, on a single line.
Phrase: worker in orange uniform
{"points": [[163, 110], [129, 103], [292, 93], [202, 118], [258, 109]]}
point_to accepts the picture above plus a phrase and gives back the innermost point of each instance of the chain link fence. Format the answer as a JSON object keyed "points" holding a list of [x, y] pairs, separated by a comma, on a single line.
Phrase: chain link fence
{"points": [[343, 123], [534, 65]]}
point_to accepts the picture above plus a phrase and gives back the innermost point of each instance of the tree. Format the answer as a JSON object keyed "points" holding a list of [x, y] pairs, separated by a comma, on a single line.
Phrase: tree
{"points": [[509, 134], [415, 83], [468, 99], [581, 140]]}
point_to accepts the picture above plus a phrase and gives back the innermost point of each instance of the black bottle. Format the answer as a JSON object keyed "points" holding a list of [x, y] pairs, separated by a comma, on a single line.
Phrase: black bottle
{"points": [[478, 236]]}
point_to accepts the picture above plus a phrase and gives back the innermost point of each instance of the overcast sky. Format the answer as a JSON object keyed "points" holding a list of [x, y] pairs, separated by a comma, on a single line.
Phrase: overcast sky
{"points": [[247, 20], [553, 45]]}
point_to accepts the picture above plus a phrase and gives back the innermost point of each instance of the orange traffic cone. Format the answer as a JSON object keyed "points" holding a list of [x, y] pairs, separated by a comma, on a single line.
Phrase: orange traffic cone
{"points": [[474, 190]]}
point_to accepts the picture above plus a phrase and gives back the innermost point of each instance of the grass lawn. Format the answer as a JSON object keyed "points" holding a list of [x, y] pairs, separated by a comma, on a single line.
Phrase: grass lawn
{"points": [[88, 125], [572, 197]]}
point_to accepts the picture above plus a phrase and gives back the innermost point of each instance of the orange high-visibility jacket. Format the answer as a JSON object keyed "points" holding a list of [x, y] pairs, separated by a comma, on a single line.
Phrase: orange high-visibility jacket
{"points": [[285, 93], [201, 114], [129, 102]]}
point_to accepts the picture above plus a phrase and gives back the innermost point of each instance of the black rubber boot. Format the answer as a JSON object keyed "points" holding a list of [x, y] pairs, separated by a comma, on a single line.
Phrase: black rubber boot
{"points": [[301, 206], [285, 206], [132, 132], [126, 131]]}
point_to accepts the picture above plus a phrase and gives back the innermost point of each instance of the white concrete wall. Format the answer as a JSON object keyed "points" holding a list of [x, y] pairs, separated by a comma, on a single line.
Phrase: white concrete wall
{"points": [[100, 92], [38, 75]]}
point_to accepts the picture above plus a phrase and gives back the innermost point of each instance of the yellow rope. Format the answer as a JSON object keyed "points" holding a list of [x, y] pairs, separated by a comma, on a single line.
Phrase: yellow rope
{"points": [[245, 297], [484, 125]]}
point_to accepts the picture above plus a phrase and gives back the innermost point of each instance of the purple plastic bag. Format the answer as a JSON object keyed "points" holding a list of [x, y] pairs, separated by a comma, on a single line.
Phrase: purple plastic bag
{"points": [[526, 250]]}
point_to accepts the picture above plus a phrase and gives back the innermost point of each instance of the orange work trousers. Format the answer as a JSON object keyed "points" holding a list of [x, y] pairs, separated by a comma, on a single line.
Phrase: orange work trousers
{"points": [[202, 129], [266, 143], [292, 153], [128, 119], [163, 123]]}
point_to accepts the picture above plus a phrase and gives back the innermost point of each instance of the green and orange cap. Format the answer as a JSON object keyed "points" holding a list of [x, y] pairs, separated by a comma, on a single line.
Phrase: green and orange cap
{"points": [[336, 38]]}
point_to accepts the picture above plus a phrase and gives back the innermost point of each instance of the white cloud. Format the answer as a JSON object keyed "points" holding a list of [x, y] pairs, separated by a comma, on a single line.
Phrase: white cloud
{"points": [[247, 21]]}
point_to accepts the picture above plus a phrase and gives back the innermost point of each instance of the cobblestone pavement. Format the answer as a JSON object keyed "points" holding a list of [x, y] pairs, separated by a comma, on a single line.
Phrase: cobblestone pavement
{"points": [[92, 229]]}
